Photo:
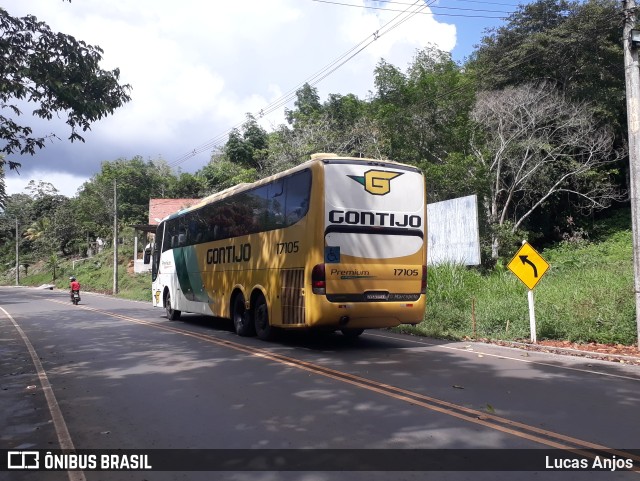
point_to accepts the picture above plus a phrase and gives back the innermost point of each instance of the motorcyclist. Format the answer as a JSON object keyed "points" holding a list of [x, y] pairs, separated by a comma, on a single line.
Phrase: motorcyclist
{"points": [[74, 285]]}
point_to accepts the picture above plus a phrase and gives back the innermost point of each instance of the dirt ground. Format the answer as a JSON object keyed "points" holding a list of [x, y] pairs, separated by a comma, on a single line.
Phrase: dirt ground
{"points": [[606, 352]]}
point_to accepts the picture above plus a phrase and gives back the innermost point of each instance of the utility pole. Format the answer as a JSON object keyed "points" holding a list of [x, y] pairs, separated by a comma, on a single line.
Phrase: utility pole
{"points": [[17, 255], [115, 237], [632, 83]]}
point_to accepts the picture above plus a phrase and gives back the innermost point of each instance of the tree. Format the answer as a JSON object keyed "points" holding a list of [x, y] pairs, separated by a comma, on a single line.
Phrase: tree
{"points": [[535, 144], [57, 73], [572, 44], [38, 230], [3, 190], [425, 112], [186, 186], [307, 106], [137, 181], [17, 207], [220, 174], [53, 264], [41, 189], [286, 150], [247, 147], [70, 235], [344, 111]]}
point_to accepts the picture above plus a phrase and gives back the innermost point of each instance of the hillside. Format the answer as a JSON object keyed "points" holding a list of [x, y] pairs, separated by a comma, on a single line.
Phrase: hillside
{"points": [[95, 274], [586, 296]]}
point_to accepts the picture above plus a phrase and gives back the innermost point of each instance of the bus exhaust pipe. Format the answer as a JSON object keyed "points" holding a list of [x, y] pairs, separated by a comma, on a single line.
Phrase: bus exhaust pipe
{"points": [[344, 320]]}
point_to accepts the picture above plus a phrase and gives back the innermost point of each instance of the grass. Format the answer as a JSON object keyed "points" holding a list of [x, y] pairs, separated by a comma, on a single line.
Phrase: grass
{"points": [[95, 275], [586, 296]]}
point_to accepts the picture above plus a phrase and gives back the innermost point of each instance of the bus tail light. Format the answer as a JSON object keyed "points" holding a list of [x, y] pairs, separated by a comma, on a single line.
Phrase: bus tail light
{"points": [[318, 280], [423, 289]]}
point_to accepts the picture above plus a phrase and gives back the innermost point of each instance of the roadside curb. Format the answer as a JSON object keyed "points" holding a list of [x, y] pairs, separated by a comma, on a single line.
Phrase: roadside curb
{"points": [[600, 356]]}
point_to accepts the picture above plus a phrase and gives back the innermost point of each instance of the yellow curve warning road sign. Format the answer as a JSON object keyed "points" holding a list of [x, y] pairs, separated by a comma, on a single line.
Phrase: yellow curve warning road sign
{"points": [[528, 265]]}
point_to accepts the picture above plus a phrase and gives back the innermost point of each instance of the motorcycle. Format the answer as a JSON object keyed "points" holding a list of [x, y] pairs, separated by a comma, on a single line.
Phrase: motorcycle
{"points": [[75, 297]]}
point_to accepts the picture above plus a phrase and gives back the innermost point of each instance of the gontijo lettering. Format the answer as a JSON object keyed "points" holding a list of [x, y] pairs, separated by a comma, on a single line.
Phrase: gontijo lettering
{"points": [[229, 254], [380, 219]]}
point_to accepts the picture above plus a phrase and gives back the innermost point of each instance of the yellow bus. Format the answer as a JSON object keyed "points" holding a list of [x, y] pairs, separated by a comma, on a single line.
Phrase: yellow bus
{"points": [[337, 243]]}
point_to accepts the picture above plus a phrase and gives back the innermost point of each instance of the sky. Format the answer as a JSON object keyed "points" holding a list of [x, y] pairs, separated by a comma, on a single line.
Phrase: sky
{"points": [[198, 68]]}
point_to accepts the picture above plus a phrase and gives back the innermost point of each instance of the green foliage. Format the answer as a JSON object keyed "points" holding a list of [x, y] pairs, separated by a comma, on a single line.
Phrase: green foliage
{"points": [[340, 125], [541, 149], [574, 44], [185, 186], [424, 112], [422, 116], [344, 111], [307, 107], [94, 274], [136, 181], [586, 296], [58, 73], [247, 147], [53, 264], [222, 174], [52, 223], [459, 176], [509, 240]]}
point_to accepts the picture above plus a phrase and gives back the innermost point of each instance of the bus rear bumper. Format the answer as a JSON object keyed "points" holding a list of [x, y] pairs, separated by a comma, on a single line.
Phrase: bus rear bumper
{"points": [[369, 315]]}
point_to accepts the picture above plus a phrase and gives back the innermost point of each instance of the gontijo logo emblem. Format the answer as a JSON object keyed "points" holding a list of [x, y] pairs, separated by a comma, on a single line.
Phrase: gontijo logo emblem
{"points": [[376, 182]]}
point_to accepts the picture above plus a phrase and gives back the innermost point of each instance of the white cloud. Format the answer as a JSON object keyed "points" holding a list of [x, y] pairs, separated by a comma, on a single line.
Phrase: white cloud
{"points": [[67, 184], [397, 37], [198, 67]]}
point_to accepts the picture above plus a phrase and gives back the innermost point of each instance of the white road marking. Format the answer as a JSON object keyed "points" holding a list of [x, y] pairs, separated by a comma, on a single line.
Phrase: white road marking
{"points": [[64, 438], [501, 356]]}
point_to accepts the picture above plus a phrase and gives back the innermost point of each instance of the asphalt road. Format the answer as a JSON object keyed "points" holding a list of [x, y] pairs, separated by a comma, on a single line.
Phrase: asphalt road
{"points": [[115, 374]]}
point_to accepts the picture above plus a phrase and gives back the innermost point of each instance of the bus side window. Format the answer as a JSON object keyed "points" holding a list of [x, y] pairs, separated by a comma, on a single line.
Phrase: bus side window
{"points": [[275, 207], [170, 232], [221, 216], [258, 200], [298, 191]]}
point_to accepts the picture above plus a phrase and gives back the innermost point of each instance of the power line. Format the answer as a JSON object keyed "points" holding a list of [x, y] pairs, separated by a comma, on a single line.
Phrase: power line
{"points": [[423, 13], [333, 66], [483, 3], [314, 79], [464, 1]]}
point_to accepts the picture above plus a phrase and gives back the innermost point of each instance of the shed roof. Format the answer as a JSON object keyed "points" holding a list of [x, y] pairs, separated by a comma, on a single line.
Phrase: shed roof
{"points": [[160, 208]]}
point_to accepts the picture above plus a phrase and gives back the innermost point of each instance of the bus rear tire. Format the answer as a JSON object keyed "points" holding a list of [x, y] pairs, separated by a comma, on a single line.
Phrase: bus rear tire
{"points": [[261, 319], [351, 333], [172, 314], [241, 321]]}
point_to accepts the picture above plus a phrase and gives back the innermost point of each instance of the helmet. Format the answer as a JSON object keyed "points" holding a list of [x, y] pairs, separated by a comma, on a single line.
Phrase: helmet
{"points": [[72, 278]]}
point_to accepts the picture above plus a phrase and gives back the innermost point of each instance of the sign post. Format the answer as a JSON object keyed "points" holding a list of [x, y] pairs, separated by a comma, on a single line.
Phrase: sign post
{"points": [[532, 316], [529, 267]]}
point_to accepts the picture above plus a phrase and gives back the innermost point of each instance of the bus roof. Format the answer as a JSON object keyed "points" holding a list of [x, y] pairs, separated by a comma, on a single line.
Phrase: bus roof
{"points": [[321, 157]]}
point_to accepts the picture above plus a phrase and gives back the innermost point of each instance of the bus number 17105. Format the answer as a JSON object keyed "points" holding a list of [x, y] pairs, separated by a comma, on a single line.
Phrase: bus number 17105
{"points": [[405, 272], [287, 247]]}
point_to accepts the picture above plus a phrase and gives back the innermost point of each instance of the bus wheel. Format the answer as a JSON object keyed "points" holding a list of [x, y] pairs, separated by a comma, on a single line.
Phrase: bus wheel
{"points": [[172, 314], [241, 321], [261, 319], [351, 333]]}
